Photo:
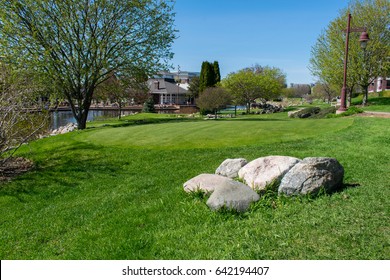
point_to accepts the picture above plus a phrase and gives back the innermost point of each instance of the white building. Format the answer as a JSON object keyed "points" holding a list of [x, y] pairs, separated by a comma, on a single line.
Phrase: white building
{"points": [[379, 84]]}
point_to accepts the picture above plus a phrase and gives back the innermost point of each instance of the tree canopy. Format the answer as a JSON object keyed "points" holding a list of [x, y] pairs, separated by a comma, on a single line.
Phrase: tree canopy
{"points": [[364, 65], [122, 90], [253, 83], [213, 99], [76, 45]]}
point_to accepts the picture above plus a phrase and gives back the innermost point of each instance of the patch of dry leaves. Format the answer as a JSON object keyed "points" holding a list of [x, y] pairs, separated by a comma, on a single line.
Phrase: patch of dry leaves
{"points": [[13, 167]]}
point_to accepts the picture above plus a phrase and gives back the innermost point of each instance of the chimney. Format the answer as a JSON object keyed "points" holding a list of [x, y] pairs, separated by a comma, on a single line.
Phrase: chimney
{"points": [[156, 85]]}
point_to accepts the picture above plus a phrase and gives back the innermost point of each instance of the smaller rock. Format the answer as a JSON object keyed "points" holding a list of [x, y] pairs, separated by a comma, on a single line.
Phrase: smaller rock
{"points": [[230, 167], [205, 182], [64, 129], [233, 195]]}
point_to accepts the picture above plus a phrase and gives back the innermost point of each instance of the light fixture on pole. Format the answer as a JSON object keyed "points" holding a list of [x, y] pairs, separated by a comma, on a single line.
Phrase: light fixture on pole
{"points": [[363, 43], [364, 40]]}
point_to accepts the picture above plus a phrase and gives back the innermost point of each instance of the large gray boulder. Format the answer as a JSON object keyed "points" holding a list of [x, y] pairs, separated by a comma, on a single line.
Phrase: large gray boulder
{"points": [[205, 183], [312, 174], [233, 195], [230, 167], [262, 171]]}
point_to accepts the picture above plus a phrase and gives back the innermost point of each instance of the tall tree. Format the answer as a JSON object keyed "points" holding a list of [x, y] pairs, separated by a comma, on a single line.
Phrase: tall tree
{"points": [[327, 56], [77, 44], [209, 75], [250, 84], [217, 74]]}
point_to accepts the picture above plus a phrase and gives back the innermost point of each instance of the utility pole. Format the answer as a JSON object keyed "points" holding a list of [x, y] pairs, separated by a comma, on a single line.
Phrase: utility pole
{"points": [[178, 85], [363, 43]]}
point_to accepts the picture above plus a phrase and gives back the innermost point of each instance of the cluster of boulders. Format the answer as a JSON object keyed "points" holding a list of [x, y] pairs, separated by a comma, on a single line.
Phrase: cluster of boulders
{"points": [[304, 113], [293, 176], [312, 112], [224, 116], [267, 108], [64, 129]]}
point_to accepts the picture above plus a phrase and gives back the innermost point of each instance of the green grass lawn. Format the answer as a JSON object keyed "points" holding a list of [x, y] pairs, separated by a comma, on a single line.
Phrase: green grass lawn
{"points": [[375, 103], [211, 133], [116, 192]]}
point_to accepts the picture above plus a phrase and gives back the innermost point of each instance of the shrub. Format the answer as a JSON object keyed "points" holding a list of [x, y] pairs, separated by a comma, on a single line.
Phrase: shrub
{"points": [[20, 121], [149, 106], [351, 111]]}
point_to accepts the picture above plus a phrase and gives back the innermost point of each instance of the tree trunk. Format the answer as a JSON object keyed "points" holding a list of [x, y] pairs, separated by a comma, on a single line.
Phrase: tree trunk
{"points": [[84, 109], [79, 111], [349, 99], [365, 96], [82, 122], [120, 110]]}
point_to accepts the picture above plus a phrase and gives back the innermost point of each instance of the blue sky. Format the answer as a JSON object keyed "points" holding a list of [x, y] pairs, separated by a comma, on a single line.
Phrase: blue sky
{"points": [[241, 33]]}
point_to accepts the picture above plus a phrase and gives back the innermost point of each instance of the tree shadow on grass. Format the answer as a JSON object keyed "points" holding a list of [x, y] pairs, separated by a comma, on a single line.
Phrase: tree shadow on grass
{"points": [[61, 171], [375, 101], [126, 123], [254, 119]]}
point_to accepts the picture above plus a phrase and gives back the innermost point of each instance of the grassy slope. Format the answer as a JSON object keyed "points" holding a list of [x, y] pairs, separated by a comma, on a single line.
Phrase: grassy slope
{"points": [[99, 195], [375, 103]]}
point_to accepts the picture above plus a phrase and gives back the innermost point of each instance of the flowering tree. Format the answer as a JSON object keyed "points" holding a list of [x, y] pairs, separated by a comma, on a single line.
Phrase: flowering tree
{"points": [[19, 122], [77, 44]]}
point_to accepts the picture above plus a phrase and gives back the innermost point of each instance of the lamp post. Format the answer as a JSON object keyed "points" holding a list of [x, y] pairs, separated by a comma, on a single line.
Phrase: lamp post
{"points": [[178, 83], [363, 43]]}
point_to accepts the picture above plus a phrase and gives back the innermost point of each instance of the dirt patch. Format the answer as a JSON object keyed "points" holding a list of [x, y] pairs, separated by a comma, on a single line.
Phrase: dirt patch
{"points": [[13, 167], [375, 114]]}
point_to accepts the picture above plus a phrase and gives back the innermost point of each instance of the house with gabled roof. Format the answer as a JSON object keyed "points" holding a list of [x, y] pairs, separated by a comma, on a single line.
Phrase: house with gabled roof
{"points": [[167, 89], [166, 92]]}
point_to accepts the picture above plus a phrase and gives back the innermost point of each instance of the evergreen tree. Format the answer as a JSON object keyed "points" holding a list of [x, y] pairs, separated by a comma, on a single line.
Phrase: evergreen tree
{"points": [[217, 74], [204, 73], [209, 75], [149, 106]]}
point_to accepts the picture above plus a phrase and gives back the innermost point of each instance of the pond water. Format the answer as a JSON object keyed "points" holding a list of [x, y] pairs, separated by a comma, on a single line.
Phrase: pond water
{"points": [[61, 118], [232, 108]]}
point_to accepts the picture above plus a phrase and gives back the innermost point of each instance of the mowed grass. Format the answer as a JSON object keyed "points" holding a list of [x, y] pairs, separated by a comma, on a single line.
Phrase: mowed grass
{"points": [[116, 193], [212, 134]]}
